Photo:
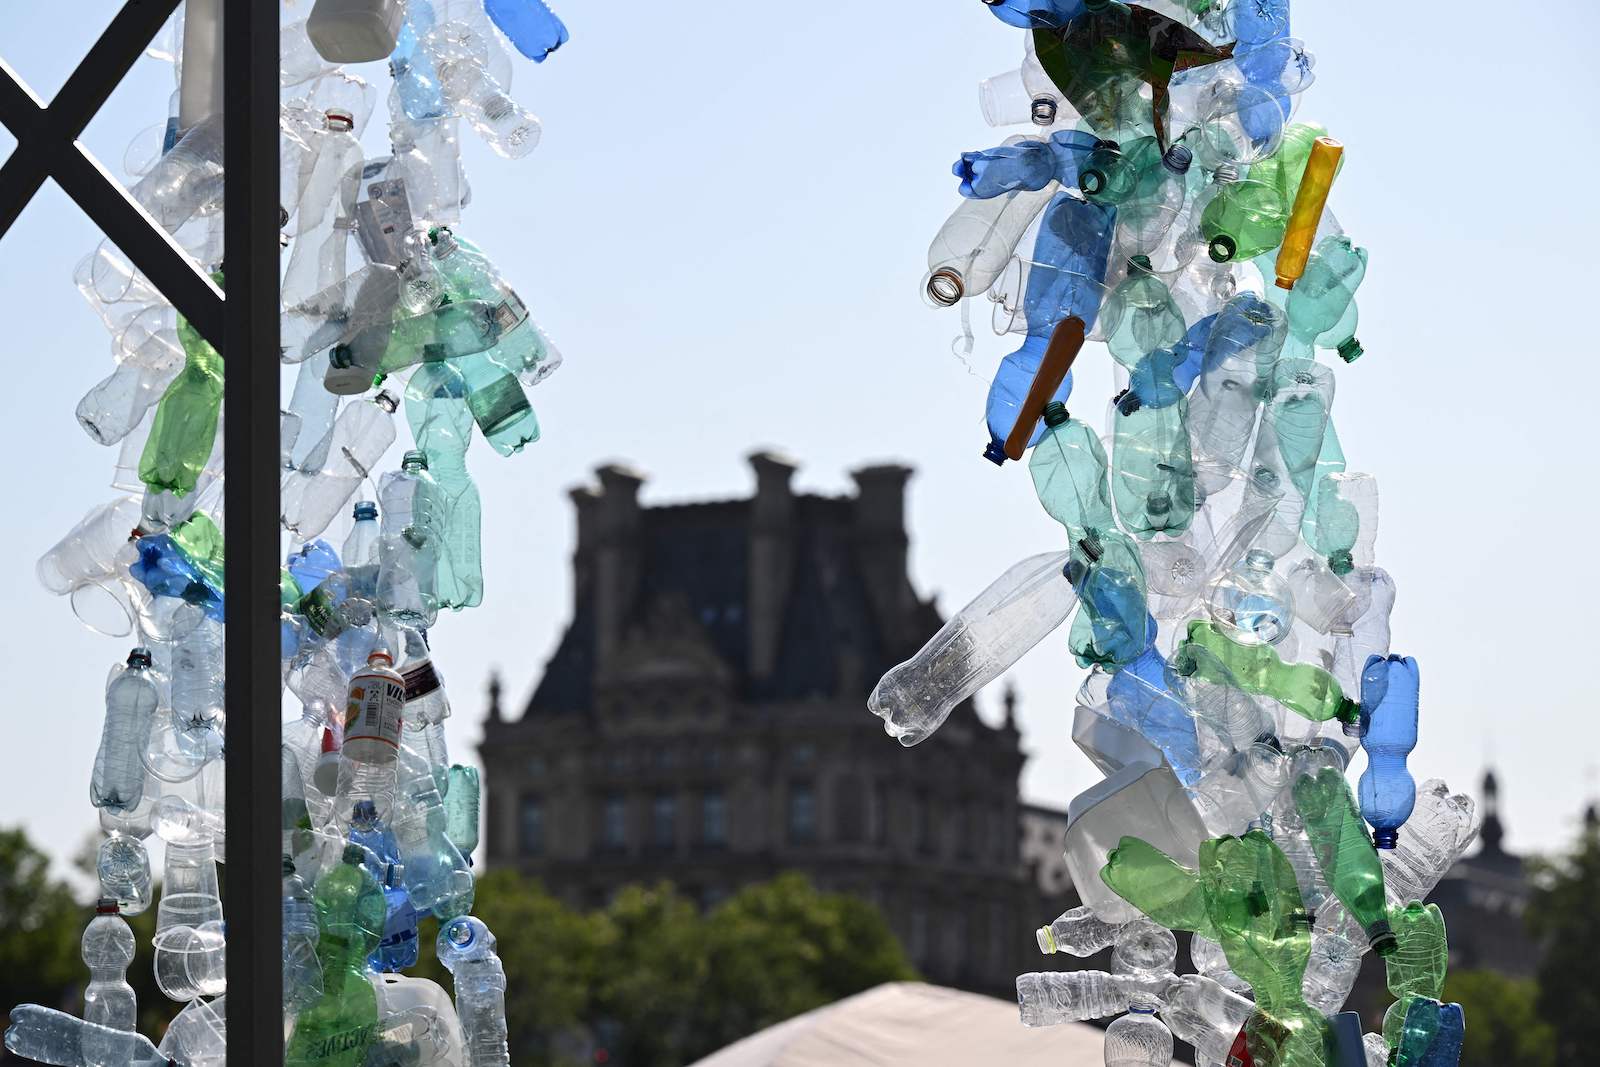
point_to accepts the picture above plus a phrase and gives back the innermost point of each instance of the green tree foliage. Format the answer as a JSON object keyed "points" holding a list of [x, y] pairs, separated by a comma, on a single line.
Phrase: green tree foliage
{"points": [[42, 925], [1503, 1022], [1563, 915]]}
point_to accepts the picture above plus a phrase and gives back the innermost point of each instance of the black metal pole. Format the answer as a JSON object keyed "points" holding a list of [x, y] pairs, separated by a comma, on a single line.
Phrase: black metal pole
{"points": [[250, 441]]}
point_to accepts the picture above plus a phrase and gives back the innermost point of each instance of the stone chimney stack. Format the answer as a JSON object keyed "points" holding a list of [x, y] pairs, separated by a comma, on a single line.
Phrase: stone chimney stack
{"points": [[771, 557], [616, 553], [881, 544]]}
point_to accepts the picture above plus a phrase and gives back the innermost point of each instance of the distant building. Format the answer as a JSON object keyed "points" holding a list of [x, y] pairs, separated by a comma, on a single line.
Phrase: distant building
{"points": [[1483, 898], [704, 721]]}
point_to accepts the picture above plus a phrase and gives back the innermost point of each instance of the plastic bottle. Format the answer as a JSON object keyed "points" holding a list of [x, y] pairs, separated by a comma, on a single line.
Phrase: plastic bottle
{"points": [[108, 999], [414, 517], [441, 423], [399, 947], [131, 701], [317, 256], [978, 644], [358, 439], [975, 243], [373, 721], [1251, 603], [1152, 472], [1139, 799], [1051, 997], [1344, 853], [1417, 966], [336, 1030], [1440, 829], [1203, 1013], [1138, 1039], [436, 876], [197, 665], [49, 1036], [1077, 932], [1302, 688], [466, 948], [1070, 475], [123, 868], [1389, 689], [355, 31], [1317, 180], [530, 25], [461, 809], [185, 426]]}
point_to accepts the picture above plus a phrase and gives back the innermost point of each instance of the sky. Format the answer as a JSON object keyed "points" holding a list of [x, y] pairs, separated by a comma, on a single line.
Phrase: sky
{"points": [[724, 229]]}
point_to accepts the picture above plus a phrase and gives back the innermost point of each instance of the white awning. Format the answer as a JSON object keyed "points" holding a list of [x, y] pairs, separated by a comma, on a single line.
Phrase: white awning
{"points": [[911, 1024]]}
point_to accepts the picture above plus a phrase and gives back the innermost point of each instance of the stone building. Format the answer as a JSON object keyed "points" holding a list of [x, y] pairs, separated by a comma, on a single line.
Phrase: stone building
{"points": [[703, 721]]}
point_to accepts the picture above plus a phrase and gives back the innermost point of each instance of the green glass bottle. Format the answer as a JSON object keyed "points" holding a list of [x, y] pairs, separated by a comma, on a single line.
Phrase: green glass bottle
{"points": [[1416, 967], [185, 424], [1069, 472], [441, 425], [1152, 471], [1305, 689], [1140, 315], [1344, 851], [336, 1030], [1158, 885]]}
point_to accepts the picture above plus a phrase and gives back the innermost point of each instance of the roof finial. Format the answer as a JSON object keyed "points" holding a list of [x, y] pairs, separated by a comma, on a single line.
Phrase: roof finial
{"points": [[1010, 701], [494, 696]]}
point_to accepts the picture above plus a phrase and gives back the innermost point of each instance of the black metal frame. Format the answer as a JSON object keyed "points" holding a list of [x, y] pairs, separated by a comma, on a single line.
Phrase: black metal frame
{"points": [[244, 327]]}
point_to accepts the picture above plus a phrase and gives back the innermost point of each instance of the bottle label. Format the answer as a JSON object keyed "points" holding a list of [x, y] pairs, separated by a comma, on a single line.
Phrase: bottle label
{"points": [[420, 680], [375, 710], [1239, 1054], [510, 312], [383, 220]]}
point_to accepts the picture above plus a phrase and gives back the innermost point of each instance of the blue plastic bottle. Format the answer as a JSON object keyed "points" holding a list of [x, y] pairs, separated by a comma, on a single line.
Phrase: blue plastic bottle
{"points": [[1029, 164], [311, 563], [400, 945], [1139, 697], [1007, 392], [1389, 686], [1036, 14], [533, 28], [166, 570], [415, 79], [1445, 1051]]}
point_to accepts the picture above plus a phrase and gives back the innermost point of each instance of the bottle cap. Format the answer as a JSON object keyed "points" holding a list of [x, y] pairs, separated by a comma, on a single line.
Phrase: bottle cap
{"points": [[329, 743], [139, 658], [106, 906], [381, 654], [339, 120], [366, 509], [1055, 413]]}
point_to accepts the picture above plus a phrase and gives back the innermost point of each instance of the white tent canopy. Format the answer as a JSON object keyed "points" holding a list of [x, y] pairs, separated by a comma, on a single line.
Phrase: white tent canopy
{"points": [[910, 1024]]}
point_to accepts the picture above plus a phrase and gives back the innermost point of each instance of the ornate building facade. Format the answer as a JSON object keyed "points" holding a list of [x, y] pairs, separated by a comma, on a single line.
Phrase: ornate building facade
{"points": [[703, 721]]}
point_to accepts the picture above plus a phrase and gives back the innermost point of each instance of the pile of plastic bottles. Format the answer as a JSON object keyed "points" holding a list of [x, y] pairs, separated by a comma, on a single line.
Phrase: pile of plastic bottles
{"points": [[378, 826], [1218, 567]]}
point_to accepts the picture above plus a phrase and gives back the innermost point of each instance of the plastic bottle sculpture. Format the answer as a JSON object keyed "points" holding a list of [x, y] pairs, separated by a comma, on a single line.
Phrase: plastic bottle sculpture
{"points": [[1158, 208]]}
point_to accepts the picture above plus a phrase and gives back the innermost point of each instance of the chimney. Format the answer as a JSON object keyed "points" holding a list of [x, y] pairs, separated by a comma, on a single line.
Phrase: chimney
{"points": [[771, 558], [616, 553], [880, 520], [585, 507]]}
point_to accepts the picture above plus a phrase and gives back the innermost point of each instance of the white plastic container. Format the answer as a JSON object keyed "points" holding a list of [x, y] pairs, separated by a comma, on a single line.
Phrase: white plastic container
{"points": [[1138, 801], [355, 31]]}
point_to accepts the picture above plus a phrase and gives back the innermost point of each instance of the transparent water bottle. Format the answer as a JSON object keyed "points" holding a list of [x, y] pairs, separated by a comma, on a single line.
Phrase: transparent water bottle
{"points": [[466, 948], [1078, 932], [359, 438], [45, 1035], [123, 867], [108, 1000], [131, 702]]}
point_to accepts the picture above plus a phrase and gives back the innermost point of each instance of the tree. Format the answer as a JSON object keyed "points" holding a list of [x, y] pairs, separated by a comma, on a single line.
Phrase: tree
{"points": [[1562, 914], [43, 924], [1503, 1023]]}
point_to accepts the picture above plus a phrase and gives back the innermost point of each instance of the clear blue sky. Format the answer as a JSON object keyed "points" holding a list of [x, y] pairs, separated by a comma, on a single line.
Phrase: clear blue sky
{"points": [[724, 230]]}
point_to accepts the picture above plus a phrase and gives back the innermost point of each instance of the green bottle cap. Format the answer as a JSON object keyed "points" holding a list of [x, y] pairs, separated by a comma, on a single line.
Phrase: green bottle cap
{"points": [[1055, 413]]}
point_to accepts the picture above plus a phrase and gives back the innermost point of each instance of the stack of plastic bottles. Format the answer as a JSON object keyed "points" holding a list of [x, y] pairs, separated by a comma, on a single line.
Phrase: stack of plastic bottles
{"points": [[1217, 564], [391, 315]]}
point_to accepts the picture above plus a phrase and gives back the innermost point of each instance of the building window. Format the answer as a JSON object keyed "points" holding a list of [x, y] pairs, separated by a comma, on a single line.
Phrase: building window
{"points": [[849, 810], [664, 820], [530, 826], [802, 814], [713, 818], [614, 822]]}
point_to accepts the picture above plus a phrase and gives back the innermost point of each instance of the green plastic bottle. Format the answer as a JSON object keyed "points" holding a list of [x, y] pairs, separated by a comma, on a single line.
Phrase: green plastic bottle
{"points": [[201, 541], [441, 425], [1152, 471], [1301, 687], [1247, 217], [185, 425], [1324, 297], [1140, 315], [1344, 851], [1416, 967], [1158, 885], [1069, 472], [336, 1030]]}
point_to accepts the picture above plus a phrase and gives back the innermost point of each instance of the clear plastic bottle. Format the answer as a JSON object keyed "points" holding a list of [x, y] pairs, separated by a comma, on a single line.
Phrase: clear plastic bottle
{"points": [[1047, 998], [413, 526], [1207, 1016], [373, 723], [302, 971], [354, 445], [49, 1036], [197, 663], [131, 701], [436, 876], [317, 256], [979, 643], [123, 867], [108, 1000], [466, 948], [1138, 1039], [461, 809]]}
